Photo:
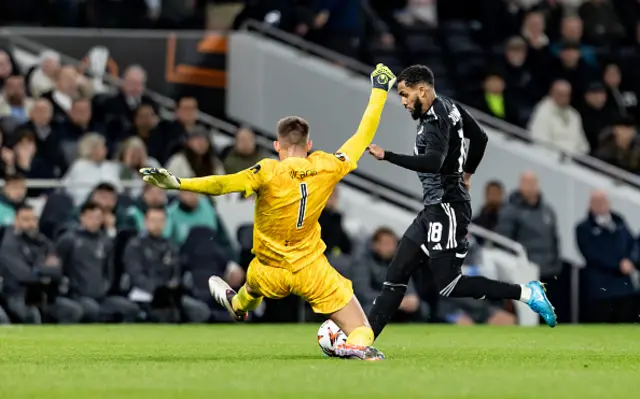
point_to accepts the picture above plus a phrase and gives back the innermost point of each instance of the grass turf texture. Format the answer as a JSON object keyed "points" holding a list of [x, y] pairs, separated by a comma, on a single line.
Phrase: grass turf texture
{"points": [[284, 361]]}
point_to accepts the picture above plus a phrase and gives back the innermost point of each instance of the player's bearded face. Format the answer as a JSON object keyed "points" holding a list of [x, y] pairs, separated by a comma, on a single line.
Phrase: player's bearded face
{"points": [[417, 110]]}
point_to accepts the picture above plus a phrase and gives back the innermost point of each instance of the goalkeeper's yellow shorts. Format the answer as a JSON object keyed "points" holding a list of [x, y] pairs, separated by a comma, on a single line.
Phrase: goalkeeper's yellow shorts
{"points": [[326, 290]]}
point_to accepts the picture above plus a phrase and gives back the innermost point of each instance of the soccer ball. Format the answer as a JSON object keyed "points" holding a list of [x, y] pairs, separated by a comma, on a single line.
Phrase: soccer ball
{"points": [[330, 335]]}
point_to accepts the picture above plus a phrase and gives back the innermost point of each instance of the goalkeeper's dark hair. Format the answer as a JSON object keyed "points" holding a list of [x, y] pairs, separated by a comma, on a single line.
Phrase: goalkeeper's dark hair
{"points": [[416, 74], [293, 130]]}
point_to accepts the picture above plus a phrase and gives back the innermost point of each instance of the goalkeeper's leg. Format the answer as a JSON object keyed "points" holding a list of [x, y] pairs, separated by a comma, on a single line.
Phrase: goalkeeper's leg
{"points": [[238, 304]]}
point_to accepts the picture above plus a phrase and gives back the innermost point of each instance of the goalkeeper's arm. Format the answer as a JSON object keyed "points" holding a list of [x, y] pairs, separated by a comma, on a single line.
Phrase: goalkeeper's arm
{"points": [[241, 182], [358, 143]]}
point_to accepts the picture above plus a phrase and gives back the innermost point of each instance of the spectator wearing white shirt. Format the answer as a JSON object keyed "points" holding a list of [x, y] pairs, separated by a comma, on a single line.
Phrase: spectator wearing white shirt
{"points": [[43, 77], [91, 168], [556, 122]]}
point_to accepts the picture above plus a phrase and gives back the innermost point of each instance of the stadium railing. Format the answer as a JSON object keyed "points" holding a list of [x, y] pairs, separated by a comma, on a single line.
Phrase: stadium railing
{"points": [[508, 129], [27, 49]]}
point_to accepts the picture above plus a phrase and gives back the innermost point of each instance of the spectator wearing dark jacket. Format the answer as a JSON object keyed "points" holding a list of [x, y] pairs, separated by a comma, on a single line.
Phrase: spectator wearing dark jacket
{"points": [[529, 220], [332, 231], [493, 201], [611, 255], [29, 262], [153, 265], [620, 146], [85, 253], [572, 68], [337, 25], [595, 115], [370, 271]]}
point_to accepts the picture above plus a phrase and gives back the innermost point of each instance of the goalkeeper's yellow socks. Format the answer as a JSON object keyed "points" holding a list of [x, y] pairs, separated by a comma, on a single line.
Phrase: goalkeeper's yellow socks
{"points": [[361, 336], [244, 302]]}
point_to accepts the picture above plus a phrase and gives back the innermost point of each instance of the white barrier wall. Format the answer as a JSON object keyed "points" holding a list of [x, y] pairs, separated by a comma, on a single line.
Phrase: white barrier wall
{"points": [[268, 80]]}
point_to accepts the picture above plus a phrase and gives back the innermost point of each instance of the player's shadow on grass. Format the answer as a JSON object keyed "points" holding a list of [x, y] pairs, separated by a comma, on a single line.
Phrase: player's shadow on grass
{"points": [[208, 358]]}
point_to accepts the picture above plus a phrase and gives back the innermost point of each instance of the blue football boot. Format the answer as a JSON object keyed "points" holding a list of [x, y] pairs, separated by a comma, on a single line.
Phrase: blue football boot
{"points": [[540, 304]]}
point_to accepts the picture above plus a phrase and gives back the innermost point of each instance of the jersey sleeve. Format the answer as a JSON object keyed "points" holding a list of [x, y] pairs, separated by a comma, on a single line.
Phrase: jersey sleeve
{"points": [[247, 181], [431, 151]]}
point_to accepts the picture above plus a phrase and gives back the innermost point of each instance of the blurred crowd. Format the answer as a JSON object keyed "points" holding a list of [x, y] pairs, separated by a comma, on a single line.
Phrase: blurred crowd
{"points": [[104, 247]]}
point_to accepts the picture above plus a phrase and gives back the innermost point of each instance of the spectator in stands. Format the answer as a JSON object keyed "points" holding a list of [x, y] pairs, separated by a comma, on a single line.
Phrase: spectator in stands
{"points": [[621, 98], [90, 168], [79, 122], [7, 158], [336, 25], [370, 271], [145, 123], [47, 137], [493, 201], [132, 157], [518, 75], [152, 197], [175, 132], [244, 153], [529, 220], [29, 262], [6, 67], [69, 85], [188, 211], [27, 160], [332, 231], [595, 116], [601, 23], [153, 264], [533, 31], [106, 196], [620, 145], [42, 78], [555, 122], [494, 100], [611, 255], [14, 102], [571, 31], [197, 159], [570, 67], [120, 108], [180, 14], [13, 195], [86, 254]]}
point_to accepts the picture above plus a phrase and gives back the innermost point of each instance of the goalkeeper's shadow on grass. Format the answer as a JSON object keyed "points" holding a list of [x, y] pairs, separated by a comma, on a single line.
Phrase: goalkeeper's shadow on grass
{"points": [[213, 357]]}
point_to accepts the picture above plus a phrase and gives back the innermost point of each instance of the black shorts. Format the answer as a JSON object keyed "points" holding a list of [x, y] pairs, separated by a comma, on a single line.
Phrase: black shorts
{"points": [[442, 229]]}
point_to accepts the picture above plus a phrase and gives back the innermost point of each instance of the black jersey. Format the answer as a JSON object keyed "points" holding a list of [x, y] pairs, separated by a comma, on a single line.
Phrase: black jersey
{"points": [[441, 129]]}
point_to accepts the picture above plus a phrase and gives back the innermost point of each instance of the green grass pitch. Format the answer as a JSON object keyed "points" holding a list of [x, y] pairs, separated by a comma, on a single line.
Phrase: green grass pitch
{"points": [[284, 361]]}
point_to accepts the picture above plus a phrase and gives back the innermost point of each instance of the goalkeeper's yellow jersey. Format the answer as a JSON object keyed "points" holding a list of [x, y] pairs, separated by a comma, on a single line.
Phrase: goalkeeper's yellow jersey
{"points": [[292, 193]]}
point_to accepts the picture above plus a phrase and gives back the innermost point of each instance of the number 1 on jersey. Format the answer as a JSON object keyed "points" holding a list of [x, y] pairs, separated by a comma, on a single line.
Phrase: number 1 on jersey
{"points": [[303, 205]]}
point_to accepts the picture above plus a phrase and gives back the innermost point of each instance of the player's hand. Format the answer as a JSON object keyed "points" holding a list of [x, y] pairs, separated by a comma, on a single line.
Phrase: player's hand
{"points": [[376, 151], [467, 180], [382, 78], [160, 177]]}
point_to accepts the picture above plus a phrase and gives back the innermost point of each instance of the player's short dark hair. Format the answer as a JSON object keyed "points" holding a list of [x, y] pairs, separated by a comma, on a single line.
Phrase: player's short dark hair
{"points": [[416, 74], [293, 130], [382, 231], [89, 206]]}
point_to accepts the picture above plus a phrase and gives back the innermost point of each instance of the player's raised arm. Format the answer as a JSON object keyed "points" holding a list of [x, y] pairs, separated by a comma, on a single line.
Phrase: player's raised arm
{"points": [[382, 80], [246, 181]]}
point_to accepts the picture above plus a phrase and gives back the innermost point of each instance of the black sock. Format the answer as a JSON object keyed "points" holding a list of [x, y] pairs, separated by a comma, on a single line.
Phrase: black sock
{"points": [[481, 287], [385, 306]]}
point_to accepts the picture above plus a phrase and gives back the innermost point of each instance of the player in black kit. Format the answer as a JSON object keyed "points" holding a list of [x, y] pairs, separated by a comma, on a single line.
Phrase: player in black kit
{"points": [[440, 229]]}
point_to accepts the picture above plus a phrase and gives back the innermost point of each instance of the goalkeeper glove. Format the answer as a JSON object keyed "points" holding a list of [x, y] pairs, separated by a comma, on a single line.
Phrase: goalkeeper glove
{"points": [[161, 178], [382, 78]]}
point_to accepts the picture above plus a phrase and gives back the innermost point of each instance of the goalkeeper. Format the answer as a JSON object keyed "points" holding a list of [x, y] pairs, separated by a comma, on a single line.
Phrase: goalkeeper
{"points": [[291, 194]]}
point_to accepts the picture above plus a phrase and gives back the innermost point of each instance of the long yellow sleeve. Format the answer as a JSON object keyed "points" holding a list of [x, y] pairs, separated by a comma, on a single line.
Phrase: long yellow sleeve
{"points": [[242, 182], [358, 143]]}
